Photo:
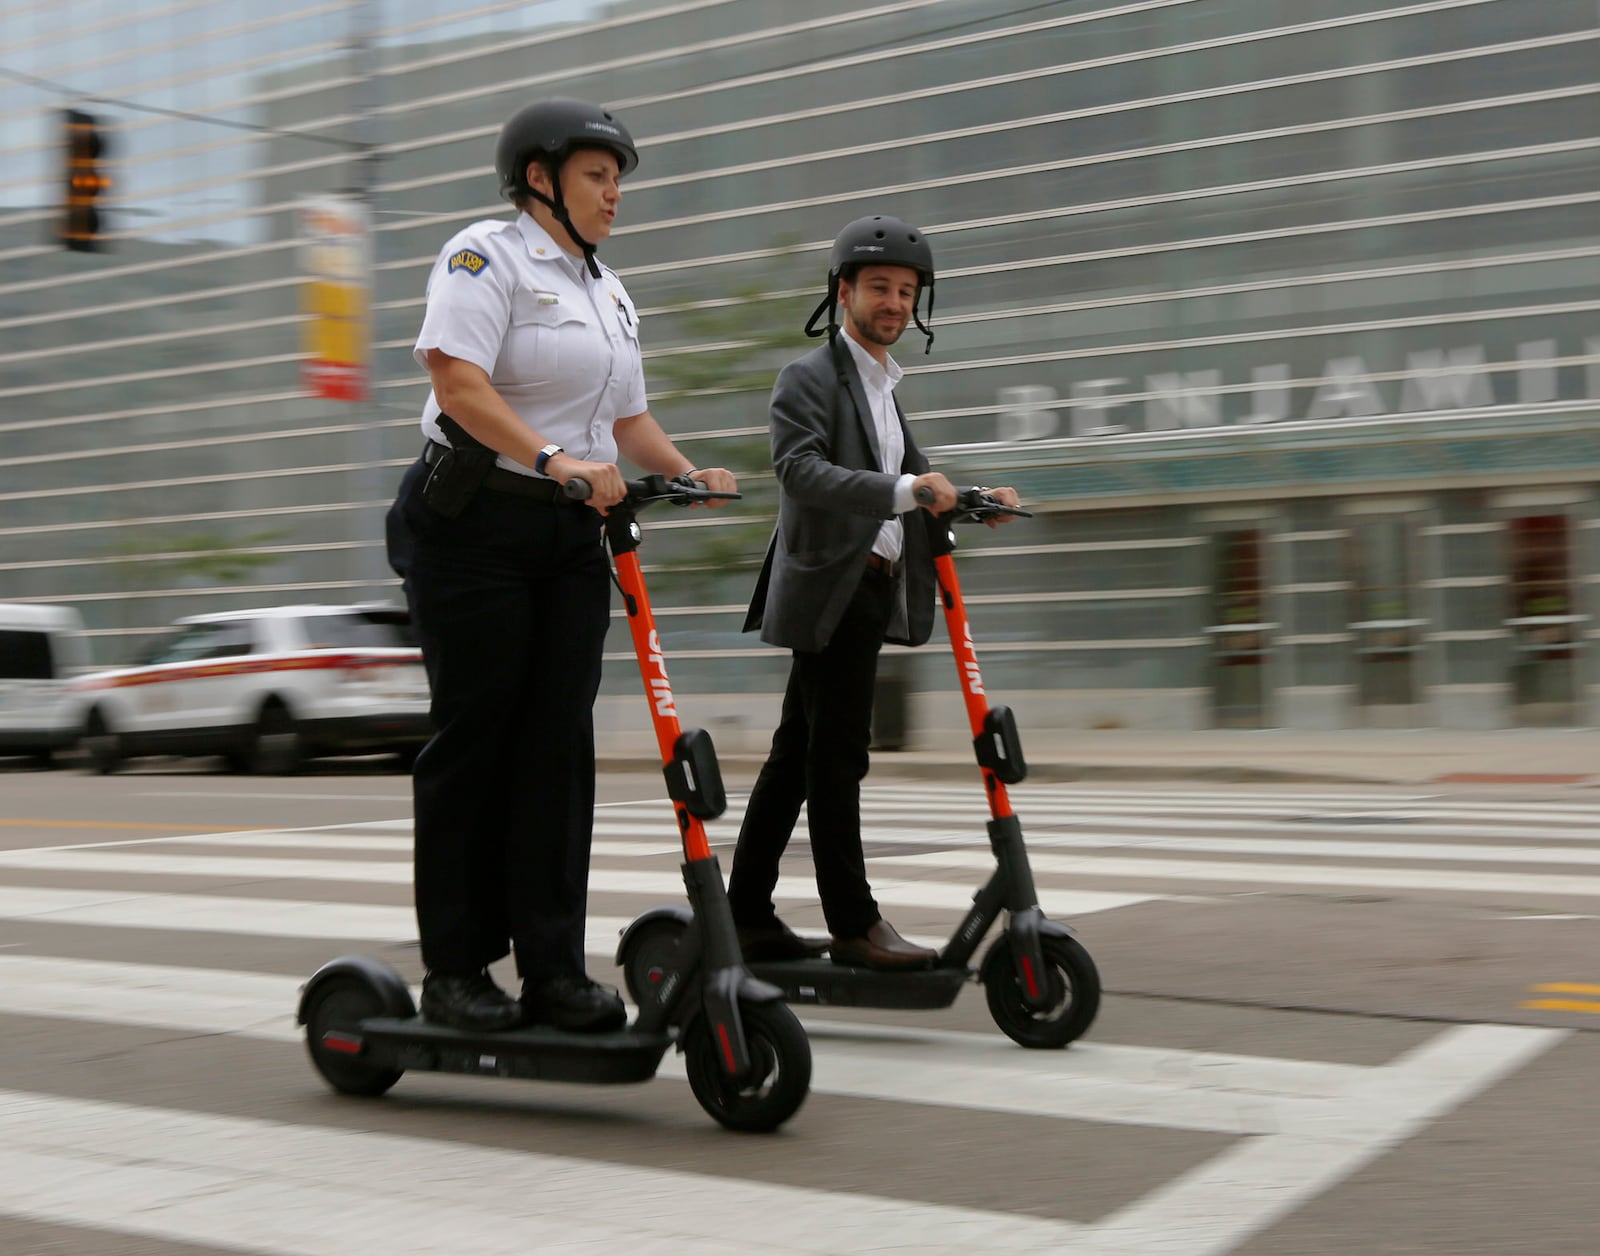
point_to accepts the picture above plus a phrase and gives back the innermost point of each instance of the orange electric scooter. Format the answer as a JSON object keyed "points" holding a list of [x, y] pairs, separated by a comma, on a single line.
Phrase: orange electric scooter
{"points": [[746, 1053], [1041, 985]]}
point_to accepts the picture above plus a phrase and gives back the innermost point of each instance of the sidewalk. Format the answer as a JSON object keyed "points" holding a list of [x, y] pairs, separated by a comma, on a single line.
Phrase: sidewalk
{"points": [[1347, 756]]}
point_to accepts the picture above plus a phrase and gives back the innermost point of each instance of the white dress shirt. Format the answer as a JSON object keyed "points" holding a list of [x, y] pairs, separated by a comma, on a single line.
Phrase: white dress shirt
{"points": [[561, 347], [879, 383]]}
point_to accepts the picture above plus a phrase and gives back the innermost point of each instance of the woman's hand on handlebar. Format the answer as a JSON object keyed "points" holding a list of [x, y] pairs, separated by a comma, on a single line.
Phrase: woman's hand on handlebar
{"points": [[934, 493], [606, 484], [717, 480]]}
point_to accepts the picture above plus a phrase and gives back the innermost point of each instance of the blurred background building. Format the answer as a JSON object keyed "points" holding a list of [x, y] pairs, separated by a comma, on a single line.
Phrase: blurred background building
{"points": [[1284, 319]]}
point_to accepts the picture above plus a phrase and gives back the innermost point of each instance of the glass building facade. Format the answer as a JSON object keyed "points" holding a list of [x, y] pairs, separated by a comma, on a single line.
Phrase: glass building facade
{"points": [[1283, 320]]}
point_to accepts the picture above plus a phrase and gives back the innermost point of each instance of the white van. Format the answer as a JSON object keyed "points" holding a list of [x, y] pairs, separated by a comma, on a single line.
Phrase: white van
{"points": [[41, 647], [265, 688]]}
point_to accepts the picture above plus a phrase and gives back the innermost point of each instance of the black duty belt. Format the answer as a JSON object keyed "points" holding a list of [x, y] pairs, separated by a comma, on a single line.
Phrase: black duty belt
{"points": [[503, 481], [877, 562]]}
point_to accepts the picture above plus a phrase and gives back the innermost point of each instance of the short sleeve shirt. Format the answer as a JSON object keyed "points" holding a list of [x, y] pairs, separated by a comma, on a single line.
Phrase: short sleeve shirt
{"points": [[560, 346]]}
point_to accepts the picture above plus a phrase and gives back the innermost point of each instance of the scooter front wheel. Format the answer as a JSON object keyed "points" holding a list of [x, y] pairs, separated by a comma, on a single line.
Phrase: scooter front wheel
{"points": [[780, 1059], [1074, 986], [333, 1036]]}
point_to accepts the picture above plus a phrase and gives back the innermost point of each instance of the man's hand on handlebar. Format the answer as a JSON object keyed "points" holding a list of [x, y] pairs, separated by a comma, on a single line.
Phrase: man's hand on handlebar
{"points": [[992, 506], [934, 493], [1006, 497]]}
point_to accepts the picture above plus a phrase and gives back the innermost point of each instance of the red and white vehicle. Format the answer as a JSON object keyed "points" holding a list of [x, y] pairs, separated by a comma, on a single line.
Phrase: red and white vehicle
{"points": [[265, 689]]}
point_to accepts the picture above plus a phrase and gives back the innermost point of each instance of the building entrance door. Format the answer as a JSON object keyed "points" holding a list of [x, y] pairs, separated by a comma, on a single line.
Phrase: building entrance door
{"points": [[1241, 639], [1386, 630], [1546, 633]]}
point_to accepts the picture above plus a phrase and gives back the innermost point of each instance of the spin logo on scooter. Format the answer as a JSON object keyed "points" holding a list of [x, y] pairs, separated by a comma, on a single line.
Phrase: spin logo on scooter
{"points": [[660, 687], [969, 665]]}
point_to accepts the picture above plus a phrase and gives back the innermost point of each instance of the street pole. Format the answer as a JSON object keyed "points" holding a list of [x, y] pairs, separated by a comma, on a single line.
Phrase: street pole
{"points": [[369, 567]]}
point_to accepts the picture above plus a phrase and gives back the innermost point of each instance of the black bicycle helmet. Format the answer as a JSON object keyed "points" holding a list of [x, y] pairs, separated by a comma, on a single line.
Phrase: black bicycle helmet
{"points": [[877, 241], [547, 132]]}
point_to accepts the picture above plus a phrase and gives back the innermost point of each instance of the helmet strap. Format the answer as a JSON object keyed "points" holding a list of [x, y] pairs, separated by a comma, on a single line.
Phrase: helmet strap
{"points": [[921, 326], [558, 207], [829, 303]]}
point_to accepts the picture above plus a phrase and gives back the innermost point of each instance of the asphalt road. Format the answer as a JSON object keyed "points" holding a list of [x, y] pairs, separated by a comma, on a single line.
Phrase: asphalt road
{"points": [[1335, 1020]]}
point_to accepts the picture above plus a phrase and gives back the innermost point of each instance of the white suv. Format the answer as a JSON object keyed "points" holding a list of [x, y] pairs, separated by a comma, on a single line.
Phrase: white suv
{"points": [[40, 647], [265, 689]]}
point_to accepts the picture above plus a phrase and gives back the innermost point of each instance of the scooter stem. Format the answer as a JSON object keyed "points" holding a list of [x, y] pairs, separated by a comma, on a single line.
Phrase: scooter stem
{"points": [[968, 673], [657, 690], [695, 786]]}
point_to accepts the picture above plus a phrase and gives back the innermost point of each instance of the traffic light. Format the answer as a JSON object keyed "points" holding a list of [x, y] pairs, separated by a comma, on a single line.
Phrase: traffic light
{"points": [[85, 147]]}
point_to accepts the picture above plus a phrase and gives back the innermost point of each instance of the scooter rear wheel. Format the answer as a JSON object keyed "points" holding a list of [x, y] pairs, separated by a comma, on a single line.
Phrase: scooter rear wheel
{"points": [[780, 1057], [651, 956], [339, 1007], [1075, 989]]}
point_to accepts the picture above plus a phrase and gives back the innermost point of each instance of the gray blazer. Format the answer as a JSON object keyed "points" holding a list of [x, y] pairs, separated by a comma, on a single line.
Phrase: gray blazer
{"points": [[832, 499]]}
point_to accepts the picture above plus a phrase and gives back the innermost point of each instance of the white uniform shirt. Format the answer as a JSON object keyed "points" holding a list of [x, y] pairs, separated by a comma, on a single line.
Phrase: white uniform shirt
{"points": [[879, 383], [561, 347]]}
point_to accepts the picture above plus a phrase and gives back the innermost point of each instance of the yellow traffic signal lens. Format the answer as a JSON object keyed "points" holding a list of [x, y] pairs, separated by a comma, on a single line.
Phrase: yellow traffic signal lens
{"points": [[80, 224]]}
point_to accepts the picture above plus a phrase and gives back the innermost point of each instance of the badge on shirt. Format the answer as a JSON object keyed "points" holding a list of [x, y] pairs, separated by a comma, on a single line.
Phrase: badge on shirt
{"points": [[468, 261]]}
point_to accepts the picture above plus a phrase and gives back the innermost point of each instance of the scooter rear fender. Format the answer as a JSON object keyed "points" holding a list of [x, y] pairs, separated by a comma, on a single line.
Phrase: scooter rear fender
{"points": [[390, 985]]}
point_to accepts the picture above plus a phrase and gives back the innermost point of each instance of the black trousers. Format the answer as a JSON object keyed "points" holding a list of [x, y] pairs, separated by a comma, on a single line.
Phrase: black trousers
{"points": [[510, 600], [819, 756]]}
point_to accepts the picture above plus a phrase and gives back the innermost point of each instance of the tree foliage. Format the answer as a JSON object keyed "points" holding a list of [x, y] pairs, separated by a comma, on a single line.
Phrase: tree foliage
{"points": [[738, 339], [209, 557]]}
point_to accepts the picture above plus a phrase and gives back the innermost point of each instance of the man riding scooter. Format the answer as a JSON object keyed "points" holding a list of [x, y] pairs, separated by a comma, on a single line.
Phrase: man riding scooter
{"points": [[849, 567]]}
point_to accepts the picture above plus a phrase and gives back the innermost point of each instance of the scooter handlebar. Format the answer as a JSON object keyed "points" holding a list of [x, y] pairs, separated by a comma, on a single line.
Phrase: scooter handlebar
{"points": [[974, 503], [679, 490]]}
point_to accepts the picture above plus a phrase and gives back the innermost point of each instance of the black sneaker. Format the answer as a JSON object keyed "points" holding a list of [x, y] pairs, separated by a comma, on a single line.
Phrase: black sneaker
{"points": [[472, 1002], [574, 1003]]}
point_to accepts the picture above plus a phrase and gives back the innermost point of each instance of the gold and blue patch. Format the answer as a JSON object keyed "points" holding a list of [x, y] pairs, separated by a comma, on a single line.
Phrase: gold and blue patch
{"points": [[468, 261]]}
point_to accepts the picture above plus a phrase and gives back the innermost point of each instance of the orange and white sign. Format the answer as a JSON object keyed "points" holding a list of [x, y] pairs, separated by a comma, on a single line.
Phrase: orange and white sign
{"points": [[334, 297]]}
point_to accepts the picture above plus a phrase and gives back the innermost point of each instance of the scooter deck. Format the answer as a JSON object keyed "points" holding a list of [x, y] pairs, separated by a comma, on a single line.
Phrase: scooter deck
{"points": [[823, 982], [536, 1052]]}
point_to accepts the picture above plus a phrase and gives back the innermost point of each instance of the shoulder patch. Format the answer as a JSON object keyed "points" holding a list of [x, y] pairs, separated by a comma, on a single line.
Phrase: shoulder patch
{"points": [[468, 261]]}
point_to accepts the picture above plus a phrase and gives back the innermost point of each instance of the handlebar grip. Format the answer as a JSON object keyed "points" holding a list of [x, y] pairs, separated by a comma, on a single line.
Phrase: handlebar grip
{"points": [[973, 503], [652, 488], [966, 498], [700, 492]]}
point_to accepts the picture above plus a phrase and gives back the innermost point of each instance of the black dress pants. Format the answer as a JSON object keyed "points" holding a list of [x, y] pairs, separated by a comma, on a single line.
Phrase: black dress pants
{"points": [[510, 600], [819, 756]]}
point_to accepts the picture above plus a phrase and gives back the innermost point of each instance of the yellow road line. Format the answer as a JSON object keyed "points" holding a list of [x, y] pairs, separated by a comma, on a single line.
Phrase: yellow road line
{"points": [[118, 824], [1562, 1005], [1563, 987]]}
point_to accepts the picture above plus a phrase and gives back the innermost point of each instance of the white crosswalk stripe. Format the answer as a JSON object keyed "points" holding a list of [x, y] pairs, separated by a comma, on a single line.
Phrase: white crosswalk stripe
{"points": [[314, 1192], [289, 1189], [1238, 1095]]}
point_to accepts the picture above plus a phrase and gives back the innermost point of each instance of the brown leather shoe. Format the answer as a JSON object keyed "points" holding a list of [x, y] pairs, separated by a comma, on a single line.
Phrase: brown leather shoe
{"points": [[778, 942], [881, 947]]}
